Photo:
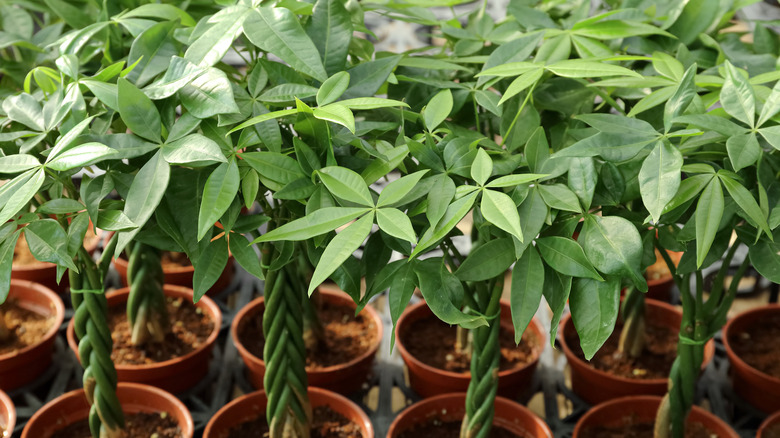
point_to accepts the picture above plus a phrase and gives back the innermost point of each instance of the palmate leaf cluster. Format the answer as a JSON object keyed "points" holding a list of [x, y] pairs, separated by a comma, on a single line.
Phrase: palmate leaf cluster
{"points": [[577, 140]]}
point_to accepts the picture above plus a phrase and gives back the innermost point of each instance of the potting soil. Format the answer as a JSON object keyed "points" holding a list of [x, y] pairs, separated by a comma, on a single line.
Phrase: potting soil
{"points": [[632, 429], [326, 423], [346, 336], [26, 327], [772, 432], [170, 259], [449, 429], [189, 329], [432, 342], [655, 362], [759, 345], [141, 425]]}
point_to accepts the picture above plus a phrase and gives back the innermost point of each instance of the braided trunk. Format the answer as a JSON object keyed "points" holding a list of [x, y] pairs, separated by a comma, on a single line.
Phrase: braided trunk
{"points": [[485, 358], [285, 381], [146, 309], [106, 419]]}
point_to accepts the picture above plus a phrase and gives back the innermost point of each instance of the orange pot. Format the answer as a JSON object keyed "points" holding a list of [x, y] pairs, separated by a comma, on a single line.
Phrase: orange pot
{"points": [[645, 408], [253, 405], [428, 381], [7, 415], [21, 367], [757, 388], [174, 375], [343, 378], [509, 415], [596, 386], [134, 398], [46, 273], [182, 275], [772, 420]]}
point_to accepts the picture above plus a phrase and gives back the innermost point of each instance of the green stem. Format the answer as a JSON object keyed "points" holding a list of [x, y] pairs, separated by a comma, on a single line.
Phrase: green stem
{"points": [[146, 304], [632, 336]]}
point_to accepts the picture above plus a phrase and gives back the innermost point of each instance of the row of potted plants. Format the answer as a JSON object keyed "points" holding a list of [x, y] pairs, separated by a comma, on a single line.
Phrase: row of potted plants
{"points": [[579, 141]]}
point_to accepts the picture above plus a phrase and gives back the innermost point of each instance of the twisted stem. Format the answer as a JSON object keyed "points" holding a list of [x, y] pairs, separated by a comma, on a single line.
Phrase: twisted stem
{"points": [[146, 309]]}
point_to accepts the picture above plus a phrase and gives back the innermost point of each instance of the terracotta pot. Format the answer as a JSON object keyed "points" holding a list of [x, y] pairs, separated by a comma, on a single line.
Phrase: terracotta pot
{"points": [[73, 406], [428, 381], [46, 273], [182, 275], [7, 415], [771, 421], [596, 386], [21, 367], [174, 375], [509, 415], [251, 406], [645, 407], [344, 378], [757, 388], [660, 288]]}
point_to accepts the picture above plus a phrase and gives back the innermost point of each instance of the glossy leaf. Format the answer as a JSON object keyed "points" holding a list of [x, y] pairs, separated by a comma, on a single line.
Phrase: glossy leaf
{"points": [[18, 163], [48, 242], [737, 96], [138, 111], [81, 155], [526, 290], [220, 190], [567, 257], [193, 150], [209, 267], [709, 211], [395, 223], [743, 150], [499, 209], [614, 247], [340, 248], [330, 28], [487, 261], [333, 88], [746, 202], [438, 109], [346, 184], [660, 177], [398, 189], [209, 94], [313, 224], [594, 311], [438, 297], [212, 45]]}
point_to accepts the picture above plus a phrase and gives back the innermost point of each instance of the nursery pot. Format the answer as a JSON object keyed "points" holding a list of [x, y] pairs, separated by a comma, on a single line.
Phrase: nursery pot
{"points": [[174, 375], [7, 416], [46, 273], [251, 406], [756, 387], [343, 378], [20, 367], [182, 275], [596, 386], [644, 409], [134, 398], [509, 415], [428, 381], [773, 421]]}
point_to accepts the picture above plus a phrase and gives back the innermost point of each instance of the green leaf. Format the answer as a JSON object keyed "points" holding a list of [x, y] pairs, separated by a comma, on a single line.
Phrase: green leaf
{"points": [[17, 193], [330, 28], [594, 311], [652, 100], [74, 16], [438, 297], [660, 177], [737, 96], [482, 167], [277, 31], [274, 166], [212, 45], [709, 211], [152, 49], [771, 106], [333, 88], [521, 83], [488, 260], [613, 147], [765, 257], [681, 98], [209, 267], [367, 77], [164, 11], [180, 72], [396, 190], [516, 50], [438, 109], [746, 202], [526, 290], [144, 195], [106, 93], [509, 69], [340, 248], [18, 163], [514, 180], [264, 117], [616, 124], [578, 68], [614, 29], [582, 179], [556, 292], [614, 247], [369, 103], [395, 223], [567, 257], [772, 135], [60, 206], [319, 222], [499, 209], [48, 242], [454, 214], [138, 112], [194, 150], [24, 109], [245, 255], [115, 220], [379, 167], [346, 184], [6, 264], [220, 190], [668, 66], [441, 193], [560, 197], [743, 150], [208, 95], [68, 138], [402, 286], [337, 114], [80, 156], [689, 188]]}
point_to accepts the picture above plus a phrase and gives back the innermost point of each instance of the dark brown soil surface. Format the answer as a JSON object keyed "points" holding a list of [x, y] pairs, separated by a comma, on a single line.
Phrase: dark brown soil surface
{"points": [[346, 336], [759, 345], [772, 431], [433, 343], [655, 362], [631, 429], [326, 424], [448, 429], [141, 425], [189, 329], [26, 327]]}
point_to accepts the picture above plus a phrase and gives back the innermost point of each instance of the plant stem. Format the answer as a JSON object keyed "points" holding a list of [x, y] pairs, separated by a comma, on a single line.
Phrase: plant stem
{"points": [[632, 336], [146, 304]]}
